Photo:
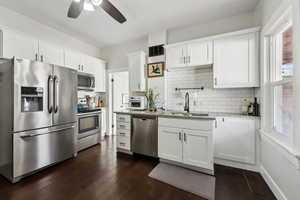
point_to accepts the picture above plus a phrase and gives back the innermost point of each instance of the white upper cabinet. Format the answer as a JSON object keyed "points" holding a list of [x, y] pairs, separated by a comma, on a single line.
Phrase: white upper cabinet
{"points": [[235, 139], [89, 64], [97, 67], [73, 60], [15, 45], [236, 61], [137, 63], [51, 54], [175, 56], [191, 54], [200, 53]]}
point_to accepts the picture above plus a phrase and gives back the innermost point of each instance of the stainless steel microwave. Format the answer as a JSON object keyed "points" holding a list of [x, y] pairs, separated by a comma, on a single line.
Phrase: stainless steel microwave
{"points": [[86, 82]]}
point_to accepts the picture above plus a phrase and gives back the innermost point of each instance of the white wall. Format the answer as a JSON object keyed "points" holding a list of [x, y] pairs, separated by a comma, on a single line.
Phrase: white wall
{"points": [[20, 23], [116, 55], [225, 25], [207, 100], [280, 168]]}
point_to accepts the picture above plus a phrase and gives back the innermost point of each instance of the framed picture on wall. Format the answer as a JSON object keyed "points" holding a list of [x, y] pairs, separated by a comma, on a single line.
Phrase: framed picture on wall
{"points": [[155, 69]]}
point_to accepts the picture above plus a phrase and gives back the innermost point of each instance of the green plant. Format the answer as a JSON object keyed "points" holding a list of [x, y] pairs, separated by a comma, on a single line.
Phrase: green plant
{"points": [[151, 98]]}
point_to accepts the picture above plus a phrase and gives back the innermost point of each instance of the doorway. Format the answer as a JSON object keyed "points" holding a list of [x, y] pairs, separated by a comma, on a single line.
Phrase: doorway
{"points": [[118, 96]]}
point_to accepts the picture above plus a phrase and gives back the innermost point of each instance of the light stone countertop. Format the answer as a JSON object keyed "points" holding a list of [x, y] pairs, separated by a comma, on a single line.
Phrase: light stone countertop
{"points": [[170, 114]]}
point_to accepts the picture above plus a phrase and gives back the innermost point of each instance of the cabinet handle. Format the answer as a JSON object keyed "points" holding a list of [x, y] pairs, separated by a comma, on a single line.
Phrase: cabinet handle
{"points": [[81, 67], [121, 118], [122, 144], [139, 86], [122, 134], [36, 57], [184, 137], [207, 52], [78, 67], [216, 81], [179, 134], [122, 126], [42, 58], [184, 60], [223, 119], [189, 60]]}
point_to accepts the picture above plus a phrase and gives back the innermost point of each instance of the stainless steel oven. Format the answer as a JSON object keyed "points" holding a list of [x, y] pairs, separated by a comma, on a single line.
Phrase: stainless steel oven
{"points": [[86, 82], [89, 124]]}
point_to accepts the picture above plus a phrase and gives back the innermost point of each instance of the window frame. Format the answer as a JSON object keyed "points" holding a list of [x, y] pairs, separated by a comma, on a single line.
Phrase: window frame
{"points": [[273, 63]]}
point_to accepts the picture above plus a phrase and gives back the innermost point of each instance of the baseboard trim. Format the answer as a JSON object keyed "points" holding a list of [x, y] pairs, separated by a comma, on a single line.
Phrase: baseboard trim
{"points": [[272, 184], [238, 165]]}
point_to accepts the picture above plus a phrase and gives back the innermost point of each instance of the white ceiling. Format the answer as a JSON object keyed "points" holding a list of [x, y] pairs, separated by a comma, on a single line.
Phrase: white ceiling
{"points": [[143, 16]]}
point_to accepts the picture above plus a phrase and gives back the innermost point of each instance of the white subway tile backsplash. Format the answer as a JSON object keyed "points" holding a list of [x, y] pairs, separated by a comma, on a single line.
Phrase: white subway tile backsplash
{"points": [[207, 100]]}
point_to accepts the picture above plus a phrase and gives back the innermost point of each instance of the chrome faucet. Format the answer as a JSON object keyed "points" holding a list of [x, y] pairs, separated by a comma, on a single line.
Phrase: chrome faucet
{"points": [[187, 102]]}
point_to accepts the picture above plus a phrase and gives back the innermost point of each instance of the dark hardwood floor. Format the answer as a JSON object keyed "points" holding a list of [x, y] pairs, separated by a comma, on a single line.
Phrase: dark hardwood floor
{"points": [[97, 173]]}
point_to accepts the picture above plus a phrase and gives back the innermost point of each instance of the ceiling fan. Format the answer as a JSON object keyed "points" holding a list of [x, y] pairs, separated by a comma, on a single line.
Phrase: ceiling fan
{"points": [[77, 6]]}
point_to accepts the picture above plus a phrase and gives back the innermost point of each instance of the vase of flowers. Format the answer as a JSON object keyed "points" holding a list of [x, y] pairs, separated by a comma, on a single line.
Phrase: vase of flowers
{"points": [[151, 98]]}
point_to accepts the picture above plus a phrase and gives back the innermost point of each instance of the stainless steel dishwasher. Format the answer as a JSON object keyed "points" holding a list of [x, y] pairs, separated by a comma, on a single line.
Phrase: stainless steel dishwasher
{"points": [[144, 135]]}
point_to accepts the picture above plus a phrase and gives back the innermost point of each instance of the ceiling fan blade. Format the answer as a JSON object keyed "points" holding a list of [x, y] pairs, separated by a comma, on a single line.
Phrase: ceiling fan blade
{"points": [[75, 8], [113, 11]]}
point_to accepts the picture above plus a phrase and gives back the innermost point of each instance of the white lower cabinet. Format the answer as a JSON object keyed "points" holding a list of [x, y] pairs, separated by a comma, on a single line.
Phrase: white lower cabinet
{"points": [[189, 145], [235, 139], [197, 148], [123, 133], [169, 144]]}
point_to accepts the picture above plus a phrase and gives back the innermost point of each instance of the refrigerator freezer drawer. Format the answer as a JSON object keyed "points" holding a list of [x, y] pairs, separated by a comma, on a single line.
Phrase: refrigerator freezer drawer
{"points": [[38, 150]]}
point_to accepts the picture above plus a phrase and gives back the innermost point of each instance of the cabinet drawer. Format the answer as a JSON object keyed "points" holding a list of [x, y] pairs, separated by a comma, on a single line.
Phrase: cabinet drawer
{"points": [[204, 125], [123, 118], [123, 143], [123, 126], [87, 142], [124, 133]]}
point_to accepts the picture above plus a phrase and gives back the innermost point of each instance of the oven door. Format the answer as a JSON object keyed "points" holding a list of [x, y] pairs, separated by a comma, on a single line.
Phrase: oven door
{"points": [[86, 82], [88, 125]]}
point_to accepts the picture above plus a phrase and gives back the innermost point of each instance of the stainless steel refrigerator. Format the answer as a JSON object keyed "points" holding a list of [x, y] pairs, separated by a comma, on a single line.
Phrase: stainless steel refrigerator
{"points": [[37, 116]]}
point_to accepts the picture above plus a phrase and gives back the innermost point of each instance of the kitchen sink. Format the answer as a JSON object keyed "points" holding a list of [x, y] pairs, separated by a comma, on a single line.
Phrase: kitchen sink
{"points": [[189, 114]]}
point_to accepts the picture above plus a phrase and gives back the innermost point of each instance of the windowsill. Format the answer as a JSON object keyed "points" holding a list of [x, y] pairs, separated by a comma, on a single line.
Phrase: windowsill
{"points": [[288, 152]]}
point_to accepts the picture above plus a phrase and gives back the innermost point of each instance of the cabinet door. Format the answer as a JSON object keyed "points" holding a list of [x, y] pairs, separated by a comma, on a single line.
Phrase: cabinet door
{"points": [[198, 148], [169, 144], [19, 46], [137, 82], [90, 65], [200, 53], [176, 56], [235, 140], [233, 61], [73, 60], [100, 71], [51, 54]]}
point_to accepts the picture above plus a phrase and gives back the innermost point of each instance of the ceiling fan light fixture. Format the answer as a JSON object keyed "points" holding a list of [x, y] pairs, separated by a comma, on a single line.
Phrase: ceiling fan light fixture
{"points": [[88, 6], [96, 2]]}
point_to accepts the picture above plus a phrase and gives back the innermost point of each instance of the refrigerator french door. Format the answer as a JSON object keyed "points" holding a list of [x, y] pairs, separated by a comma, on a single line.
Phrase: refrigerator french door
{"points": [[45, 98]]}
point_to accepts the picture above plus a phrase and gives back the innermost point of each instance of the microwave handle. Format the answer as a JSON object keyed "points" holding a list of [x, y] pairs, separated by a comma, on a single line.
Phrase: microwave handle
{"points": [[92, 82]]}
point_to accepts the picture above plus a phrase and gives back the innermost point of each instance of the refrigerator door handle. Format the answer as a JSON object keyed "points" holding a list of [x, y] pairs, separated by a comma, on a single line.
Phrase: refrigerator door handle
{"points": [[56, 97], [50, 94]]}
